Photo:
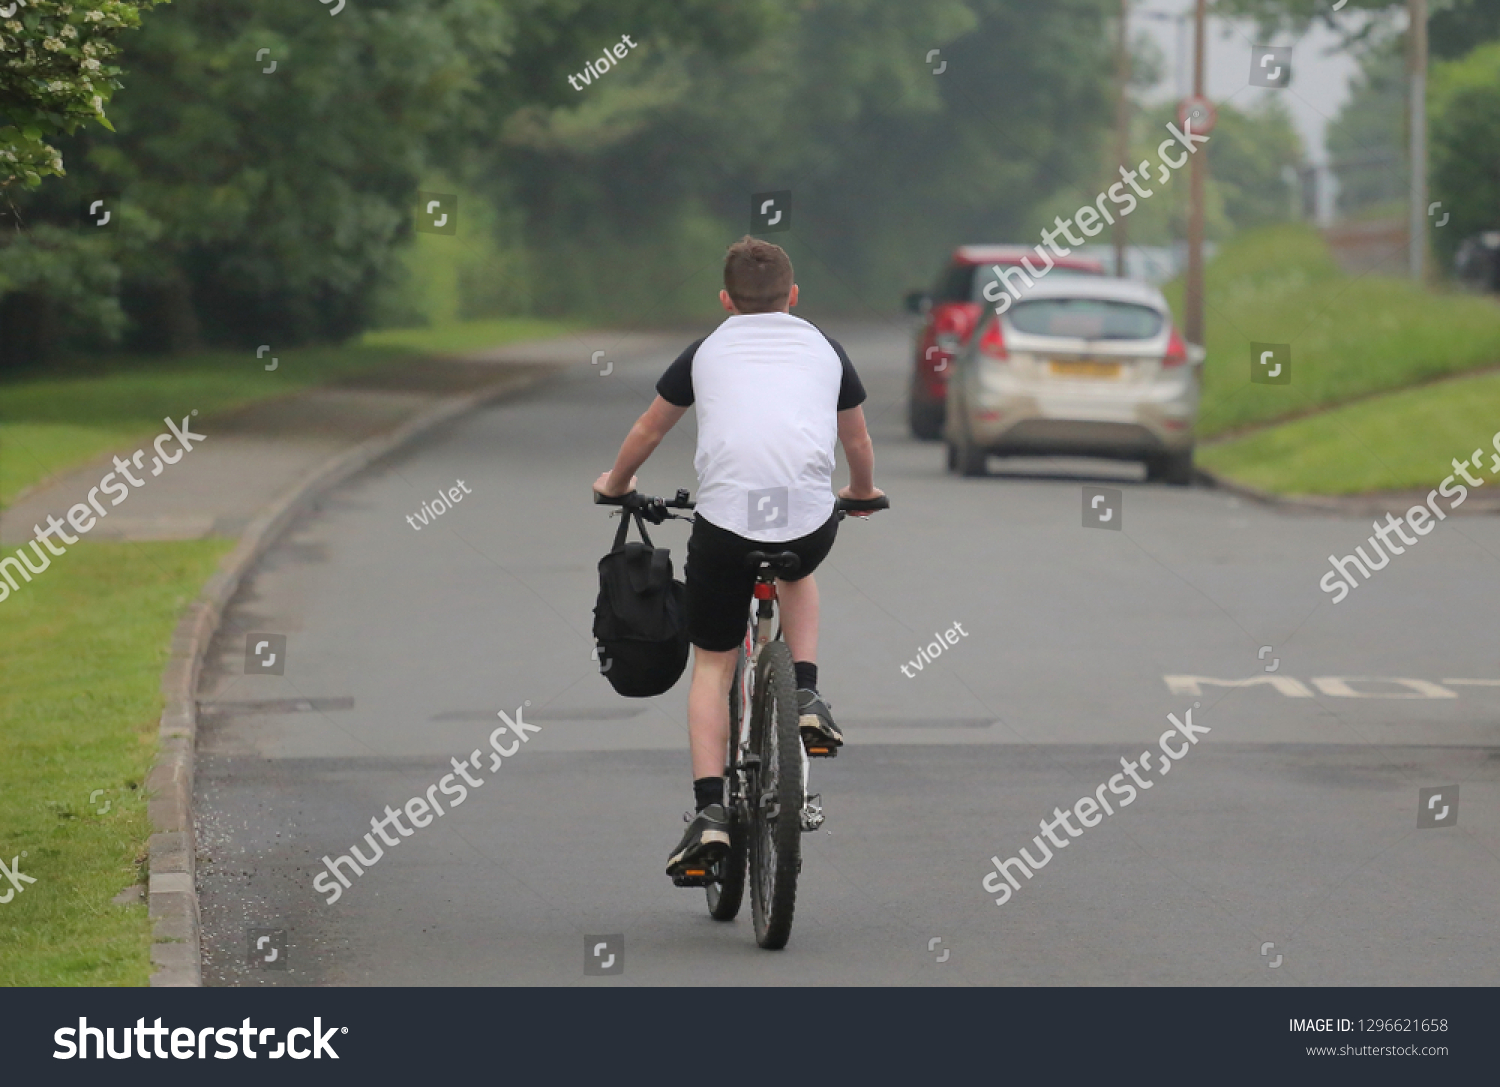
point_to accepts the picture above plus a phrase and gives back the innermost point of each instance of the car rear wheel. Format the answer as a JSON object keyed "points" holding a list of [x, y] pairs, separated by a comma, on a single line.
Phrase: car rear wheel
{"points": [[926, 420], [1175, 469], [964, 457]]}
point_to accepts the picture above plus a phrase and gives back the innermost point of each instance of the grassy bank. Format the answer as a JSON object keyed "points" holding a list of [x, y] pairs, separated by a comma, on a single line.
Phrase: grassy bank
{"points": [[1398, 441], [86, 407], [1350, 336], [84, 645]]}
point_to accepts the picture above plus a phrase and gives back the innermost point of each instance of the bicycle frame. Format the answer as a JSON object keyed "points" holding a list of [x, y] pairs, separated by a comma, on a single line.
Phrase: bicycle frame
{"points": [[760, 630]]}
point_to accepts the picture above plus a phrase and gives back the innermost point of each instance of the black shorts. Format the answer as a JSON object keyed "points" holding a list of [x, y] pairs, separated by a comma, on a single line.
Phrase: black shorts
{"points": [[720, 586]]}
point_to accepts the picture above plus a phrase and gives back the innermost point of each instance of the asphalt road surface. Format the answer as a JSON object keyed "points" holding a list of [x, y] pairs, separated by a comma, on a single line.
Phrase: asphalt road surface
{"points": [[1293, 822]]}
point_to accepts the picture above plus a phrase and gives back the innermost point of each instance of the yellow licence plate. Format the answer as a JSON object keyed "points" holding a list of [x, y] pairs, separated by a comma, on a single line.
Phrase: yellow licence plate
{"points": [[1084, 368]]}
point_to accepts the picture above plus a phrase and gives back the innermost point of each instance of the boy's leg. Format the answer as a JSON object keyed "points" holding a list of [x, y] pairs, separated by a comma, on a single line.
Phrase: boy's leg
{"points": [[708, 710], [799, 626], [799, 617], [718, 599], [707, 835]]}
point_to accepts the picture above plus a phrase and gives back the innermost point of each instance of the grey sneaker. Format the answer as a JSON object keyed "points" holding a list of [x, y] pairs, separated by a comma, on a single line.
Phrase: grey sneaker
{"points": [[706, 841], [820, 736]]}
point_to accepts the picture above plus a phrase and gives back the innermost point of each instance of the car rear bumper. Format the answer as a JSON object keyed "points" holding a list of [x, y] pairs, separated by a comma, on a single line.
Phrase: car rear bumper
{"points": [[1160, 419]]}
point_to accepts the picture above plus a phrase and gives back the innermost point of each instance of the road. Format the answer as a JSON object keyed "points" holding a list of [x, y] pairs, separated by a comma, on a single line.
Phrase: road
{"points": [[1292, 822]]}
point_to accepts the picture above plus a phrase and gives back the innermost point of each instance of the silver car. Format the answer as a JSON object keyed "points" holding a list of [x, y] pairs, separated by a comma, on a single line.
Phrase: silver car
{"points": [[1075, 366]]}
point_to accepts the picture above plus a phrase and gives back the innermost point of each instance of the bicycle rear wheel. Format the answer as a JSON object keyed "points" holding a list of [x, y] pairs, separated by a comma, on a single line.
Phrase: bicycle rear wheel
{"points": [[728, 892], [775, 800]]}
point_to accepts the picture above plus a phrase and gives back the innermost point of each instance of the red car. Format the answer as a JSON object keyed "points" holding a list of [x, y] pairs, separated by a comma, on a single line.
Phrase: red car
{"points": [[950, 314]]}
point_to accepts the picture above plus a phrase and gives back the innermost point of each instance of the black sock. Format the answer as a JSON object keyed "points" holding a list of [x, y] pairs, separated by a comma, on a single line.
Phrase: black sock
{"points": [[807, 675], [708, 791]]}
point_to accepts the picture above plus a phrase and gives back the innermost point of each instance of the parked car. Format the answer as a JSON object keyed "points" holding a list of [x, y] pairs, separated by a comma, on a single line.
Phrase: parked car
{"points": [[1077, 366], [951, 311], [1477, 261]]}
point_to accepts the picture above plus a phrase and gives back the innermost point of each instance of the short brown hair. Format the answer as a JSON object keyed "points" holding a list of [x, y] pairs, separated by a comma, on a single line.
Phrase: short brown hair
{"points": [[757, 275]]}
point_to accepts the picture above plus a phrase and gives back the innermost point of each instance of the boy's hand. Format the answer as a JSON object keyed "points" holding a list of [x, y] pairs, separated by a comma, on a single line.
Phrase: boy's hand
{"points": [[601, 486], [860, 496]]}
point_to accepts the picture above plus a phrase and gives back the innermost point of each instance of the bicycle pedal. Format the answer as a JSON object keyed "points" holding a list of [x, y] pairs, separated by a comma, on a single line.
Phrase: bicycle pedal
{"points": [[699, 872], [818, 746]]}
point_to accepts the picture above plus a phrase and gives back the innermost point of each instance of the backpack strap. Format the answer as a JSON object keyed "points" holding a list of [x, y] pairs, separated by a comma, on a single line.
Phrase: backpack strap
{"points": [[661, 566], [645, 569], [620, 532], [626, 516], [640, 523]]}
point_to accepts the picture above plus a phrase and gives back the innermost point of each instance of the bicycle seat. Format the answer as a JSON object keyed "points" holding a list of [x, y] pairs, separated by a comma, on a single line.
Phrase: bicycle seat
{"points": [[780, 563]]}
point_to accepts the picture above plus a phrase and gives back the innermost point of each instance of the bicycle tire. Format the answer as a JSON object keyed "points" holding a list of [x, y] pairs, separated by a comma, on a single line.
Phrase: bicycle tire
{"points": [[775, 801], [726, 895]]}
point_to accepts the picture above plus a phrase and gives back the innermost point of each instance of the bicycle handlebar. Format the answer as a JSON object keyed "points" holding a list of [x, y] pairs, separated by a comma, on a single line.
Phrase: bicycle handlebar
{"points": [[648, 506], [634, 500], [655, 509]]}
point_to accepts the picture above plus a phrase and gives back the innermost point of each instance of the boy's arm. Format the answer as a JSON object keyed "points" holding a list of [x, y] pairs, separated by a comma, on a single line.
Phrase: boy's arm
{"points": [[639, 444], [854, 436]]}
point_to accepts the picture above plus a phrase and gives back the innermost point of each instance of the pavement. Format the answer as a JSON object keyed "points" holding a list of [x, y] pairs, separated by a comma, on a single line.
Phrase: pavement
{"points": [[1285, 848], [252, 455]]}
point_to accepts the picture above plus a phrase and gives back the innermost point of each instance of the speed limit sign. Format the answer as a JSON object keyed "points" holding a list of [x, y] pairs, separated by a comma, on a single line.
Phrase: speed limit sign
{"points": [[1200, 111]]}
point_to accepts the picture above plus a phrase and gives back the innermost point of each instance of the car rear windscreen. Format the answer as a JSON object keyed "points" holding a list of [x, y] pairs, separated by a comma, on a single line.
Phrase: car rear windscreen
{"points": [[983, 275], [967, 282], [1086, 319]]}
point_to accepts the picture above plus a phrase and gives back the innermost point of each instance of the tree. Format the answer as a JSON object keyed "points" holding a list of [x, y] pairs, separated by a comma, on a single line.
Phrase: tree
{"points": [[1461, 26], [278, 148], [56, 74], [1367, 140], [1464, 118], [1248, 153], [894, 154], [1453, 26], [1296, 15], [280, 200]]}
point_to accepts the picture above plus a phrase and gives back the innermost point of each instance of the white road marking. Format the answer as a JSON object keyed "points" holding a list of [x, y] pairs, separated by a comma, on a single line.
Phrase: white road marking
{"points": [[1334, 686]]}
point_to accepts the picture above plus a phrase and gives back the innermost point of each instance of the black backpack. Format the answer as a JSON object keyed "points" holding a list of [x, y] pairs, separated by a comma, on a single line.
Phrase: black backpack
{"points": [[640, 618]]}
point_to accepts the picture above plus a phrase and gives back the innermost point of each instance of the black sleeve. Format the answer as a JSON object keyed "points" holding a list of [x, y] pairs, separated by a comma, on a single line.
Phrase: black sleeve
{"points": [[851, 389], [676, 385]]}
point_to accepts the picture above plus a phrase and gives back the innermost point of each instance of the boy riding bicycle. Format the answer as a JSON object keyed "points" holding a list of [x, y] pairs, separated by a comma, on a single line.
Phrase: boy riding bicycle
{"points": [[772, 393]]}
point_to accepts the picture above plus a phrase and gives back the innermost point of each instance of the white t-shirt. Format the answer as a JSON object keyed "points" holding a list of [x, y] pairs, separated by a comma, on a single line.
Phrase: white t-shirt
{"points": [[768, 388]]}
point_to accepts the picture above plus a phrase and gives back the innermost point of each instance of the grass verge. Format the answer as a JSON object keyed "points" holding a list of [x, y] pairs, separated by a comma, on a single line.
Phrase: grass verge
{"points": [[1350, 336], [51, 421], [465, 336], [84, 645], [1394, 442]]}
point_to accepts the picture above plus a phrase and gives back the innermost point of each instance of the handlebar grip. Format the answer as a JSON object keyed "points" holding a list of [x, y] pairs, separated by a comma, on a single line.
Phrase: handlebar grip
{"points": [[613, 500], [861, 505]]}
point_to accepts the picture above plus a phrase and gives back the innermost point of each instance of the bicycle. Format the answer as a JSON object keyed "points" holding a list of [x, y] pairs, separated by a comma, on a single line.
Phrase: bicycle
{"points": [[766, 770]]}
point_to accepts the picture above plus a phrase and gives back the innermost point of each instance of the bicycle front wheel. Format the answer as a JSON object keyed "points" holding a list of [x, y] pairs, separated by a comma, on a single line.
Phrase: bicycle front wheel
{"points": [[775, 800]]}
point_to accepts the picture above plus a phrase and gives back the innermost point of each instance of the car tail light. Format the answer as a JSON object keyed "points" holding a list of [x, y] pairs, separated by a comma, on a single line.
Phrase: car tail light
{"points": [[956, 319], [992, 343], [1176, 351]]}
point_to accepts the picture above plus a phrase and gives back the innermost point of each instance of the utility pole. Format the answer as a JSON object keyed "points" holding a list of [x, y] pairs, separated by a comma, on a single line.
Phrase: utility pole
{"points": [[1193, 291], [1417, 213], [1122, 124]]}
